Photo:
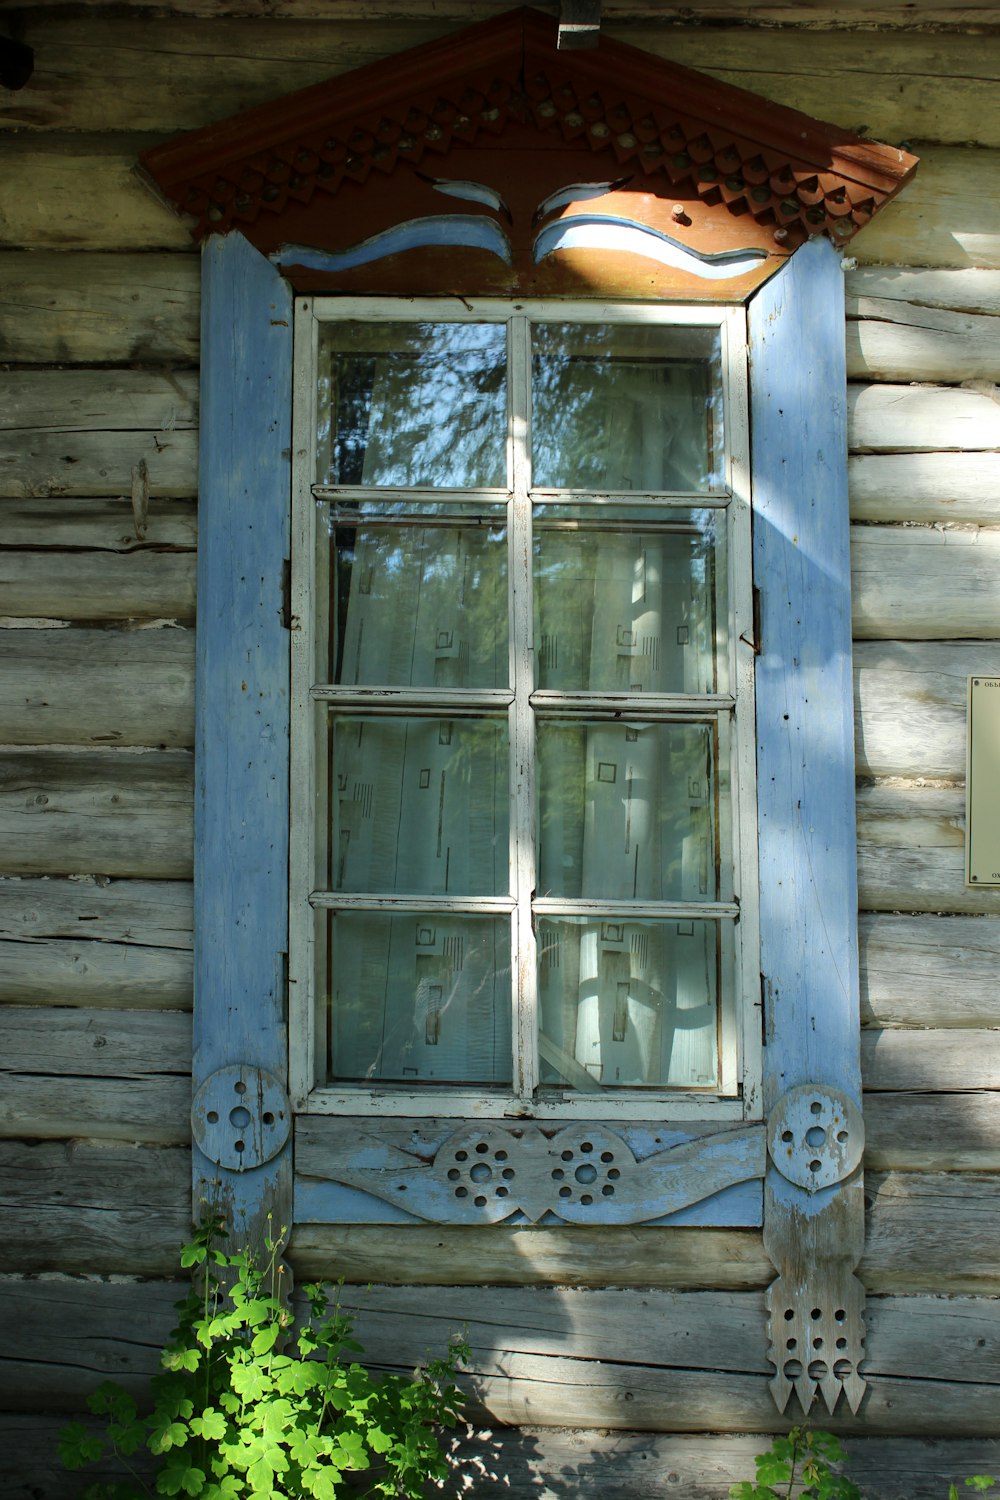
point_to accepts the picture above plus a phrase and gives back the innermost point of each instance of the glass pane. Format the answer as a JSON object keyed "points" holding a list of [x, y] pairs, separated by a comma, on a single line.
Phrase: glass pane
{"points": [[629, 811], [632, 611], [414, 606], [412, 404], [623, 407], [630, 1004], [416, 997], [417, 806]]}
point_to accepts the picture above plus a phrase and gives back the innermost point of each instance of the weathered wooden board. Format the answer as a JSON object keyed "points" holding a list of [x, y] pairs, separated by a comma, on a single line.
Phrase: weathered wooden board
{"points": [[87, 400], [97, 687], [930, 1132], [55, 971], [911, 852], [971, 291], [100, 524], [900, 341], [115, 812], [190, 74], [155, 1110], [933, 1232], [910, 703], [914, 583], [949, 216], [95, 1206], [50, 462], [98, 309], [538, 1463], [153, 914], [524, 1256], [85, 1043], [140, 585], [66, 192], [935, 1060], [904, 418], [928, 971], [937, 487]]}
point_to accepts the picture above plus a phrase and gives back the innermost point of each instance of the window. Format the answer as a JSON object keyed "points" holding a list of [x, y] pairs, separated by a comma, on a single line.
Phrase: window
{"points": [[523, 873]]}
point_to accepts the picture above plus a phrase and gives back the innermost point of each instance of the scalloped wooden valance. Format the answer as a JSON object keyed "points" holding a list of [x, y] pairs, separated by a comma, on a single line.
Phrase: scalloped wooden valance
{"points": [[492, 163]]}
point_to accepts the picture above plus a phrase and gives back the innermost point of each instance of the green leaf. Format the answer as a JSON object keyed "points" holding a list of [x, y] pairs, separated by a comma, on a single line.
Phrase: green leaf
{"points": [[210, 1424], [77, 1446], [166, 1435], [178, 1478], [265, 1341], [981, 1481]]}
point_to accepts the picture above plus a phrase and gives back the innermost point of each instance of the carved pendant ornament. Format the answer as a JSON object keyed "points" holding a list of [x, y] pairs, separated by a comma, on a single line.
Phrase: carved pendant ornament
{"points": [[814, 1236]]}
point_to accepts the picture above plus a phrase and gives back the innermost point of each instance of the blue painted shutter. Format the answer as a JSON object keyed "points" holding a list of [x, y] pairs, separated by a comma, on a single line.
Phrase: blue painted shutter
{"points": [[242, 1154]]}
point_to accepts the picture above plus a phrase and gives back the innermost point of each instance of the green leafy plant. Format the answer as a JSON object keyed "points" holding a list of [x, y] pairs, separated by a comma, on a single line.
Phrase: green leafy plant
{"points": [[801, 1463], [249, 1407]]}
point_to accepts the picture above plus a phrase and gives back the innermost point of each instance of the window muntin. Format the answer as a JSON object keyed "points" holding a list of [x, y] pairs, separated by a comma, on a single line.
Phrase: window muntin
{"points": [[634, 569]]}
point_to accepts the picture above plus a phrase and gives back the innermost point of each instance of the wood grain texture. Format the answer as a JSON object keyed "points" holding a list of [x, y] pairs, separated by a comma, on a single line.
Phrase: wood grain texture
{"points": [[241, 865], [913, 583], [910, 705], [932, 487], [934, 1061], [94, 462], [99, 309], [94, 400], [949, 216], [103, 1207], [971, 291], [154, 914], [932, 1132], [934, 1233], [803, 678], [928, 971], [92, 812], [228, 65], [911, 852], [71, 192], [56, 971], [154, 1110], [98, 586], [525, 1256], [98, 687], [897, 341], [96, 524], [904, 418], [84, 1043]]}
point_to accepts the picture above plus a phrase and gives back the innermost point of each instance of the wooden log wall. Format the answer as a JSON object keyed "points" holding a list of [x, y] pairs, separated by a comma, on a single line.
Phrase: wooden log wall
{"points": [[643, 1340]]}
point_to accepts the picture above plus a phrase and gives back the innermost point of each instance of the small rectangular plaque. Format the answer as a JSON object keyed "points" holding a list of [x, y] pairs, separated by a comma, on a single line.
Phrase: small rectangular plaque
{"points": [[982, 783]]}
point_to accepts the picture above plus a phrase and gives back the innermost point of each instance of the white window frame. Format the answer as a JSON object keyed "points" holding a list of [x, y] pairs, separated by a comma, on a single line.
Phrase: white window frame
{"points": [[739, 1097]]}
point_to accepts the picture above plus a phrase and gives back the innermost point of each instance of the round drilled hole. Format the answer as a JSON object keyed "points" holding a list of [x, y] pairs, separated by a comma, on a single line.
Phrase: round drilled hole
{"points": [[461, 1156], [480, 1172], [816, 1314], [239, 1117], [241, 1145], [815, 1108], [212, 1117], [792, 1370], [816, 1136], [454, 1175], [818, 1370], [480, 1202], [240, 1087], [586, 1173]]}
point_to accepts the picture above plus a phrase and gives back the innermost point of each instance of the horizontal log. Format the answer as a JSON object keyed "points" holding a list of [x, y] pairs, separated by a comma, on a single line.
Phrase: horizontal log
{"points": [[898, 341], [50, 462], [936, 487], [972, 291], [948, 216], [93, 400], [83, 1043], [526, 1256], [140, 585], [98, 687], [928, 971], [920, 419], [820, 13], [931, 1132], [934, 1061], [932, 1232], [99, 309], [153, 914], [98, 524], [945, 81], [538, 1463], [112, 812], [54, 971], [910, 705], [153, 1110], [98, 1207], [911, 583], [66, 192], [911, 852]]}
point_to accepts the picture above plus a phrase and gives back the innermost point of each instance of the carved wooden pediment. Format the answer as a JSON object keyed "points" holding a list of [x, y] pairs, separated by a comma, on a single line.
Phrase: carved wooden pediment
{"points": [[493, 163]]}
